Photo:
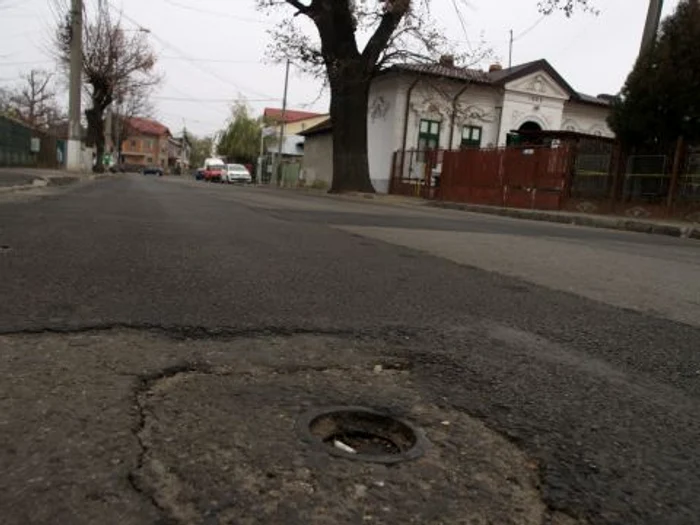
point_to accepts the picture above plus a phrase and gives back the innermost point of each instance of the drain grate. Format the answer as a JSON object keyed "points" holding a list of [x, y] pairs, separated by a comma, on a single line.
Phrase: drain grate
{"points": [[362, 434]]}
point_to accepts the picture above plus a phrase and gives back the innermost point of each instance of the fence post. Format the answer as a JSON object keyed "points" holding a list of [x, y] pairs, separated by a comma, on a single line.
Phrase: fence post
{"points": [[572, 149], [675, 170], [617, 167]]}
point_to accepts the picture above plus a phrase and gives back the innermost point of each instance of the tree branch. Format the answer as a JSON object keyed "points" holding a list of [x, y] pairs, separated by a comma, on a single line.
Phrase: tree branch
{"points": [[395, 11], [301, 8]]}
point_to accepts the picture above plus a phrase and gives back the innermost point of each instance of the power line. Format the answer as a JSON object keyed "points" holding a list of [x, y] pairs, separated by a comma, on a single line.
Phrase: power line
{"points": [[191, 60], [214, 13], [526, 31], [463, 24], [212, 60], [215, 100]]}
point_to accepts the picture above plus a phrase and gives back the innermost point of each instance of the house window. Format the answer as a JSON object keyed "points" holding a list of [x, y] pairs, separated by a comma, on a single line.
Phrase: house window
{"points": [[428, 135], [471, 137], [149, 160], [133, 144]]}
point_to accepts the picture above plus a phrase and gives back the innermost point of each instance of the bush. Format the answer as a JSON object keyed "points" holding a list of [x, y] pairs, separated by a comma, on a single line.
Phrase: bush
{"points": [[319, 185]]}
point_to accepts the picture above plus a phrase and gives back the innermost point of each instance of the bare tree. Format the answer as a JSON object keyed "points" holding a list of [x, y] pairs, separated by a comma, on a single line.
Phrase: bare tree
{"points": [[5, 104], [34, 101], [114, 64], [392, 30]]}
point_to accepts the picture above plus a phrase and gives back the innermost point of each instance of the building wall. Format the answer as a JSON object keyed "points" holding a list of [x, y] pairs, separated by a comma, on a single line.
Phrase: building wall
{"points": [[475, 106], [382, 130], [146, 150], [318, 159], [586, 118], [533, 98]]}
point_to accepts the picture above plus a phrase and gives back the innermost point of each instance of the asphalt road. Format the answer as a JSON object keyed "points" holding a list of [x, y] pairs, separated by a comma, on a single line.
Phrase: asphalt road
{"points": [[161, 338]]}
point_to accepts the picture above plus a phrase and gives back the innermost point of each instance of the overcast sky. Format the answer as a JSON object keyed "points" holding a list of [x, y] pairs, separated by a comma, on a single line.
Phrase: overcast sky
{"points": [[212, 51]]}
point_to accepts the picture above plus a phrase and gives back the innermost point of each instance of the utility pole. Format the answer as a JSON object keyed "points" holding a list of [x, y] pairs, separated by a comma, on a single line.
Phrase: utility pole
{"points": [[74, 148], [651, 27], [117, 141], [510, 50], [278, 162]]}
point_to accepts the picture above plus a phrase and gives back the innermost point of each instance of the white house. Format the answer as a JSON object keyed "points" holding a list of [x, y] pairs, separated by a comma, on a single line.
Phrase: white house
{"points": [[429, 106]]}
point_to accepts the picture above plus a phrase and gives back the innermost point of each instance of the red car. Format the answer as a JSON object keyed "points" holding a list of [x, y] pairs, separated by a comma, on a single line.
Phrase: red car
{"points": [[213, 169]]}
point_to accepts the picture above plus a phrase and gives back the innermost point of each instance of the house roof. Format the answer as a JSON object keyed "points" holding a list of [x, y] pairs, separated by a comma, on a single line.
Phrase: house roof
{"points": [[439, 70], [498, 77], [147, 126], [290, 115], [325, 126]]}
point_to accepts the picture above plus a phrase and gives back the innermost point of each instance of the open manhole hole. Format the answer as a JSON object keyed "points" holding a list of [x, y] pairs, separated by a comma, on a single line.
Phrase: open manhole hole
{"points": [[362, 434]]}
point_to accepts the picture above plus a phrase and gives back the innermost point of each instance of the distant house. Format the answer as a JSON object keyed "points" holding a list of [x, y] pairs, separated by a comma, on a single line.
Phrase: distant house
{"points": [[442, 106], [295, 122], [147, 143]]}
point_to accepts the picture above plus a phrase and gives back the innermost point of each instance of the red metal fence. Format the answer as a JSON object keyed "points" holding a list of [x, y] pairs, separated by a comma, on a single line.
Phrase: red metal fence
{"points": [[516, 177], [588, 174]]}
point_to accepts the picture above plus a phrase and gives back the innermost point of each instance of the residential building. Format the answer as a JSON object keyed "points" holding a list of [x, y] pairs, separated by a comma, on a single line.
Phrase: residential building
{"points": [[179, 150], [292, 147], [442, 106], [295, 122], [317, 163], [146, 144]]}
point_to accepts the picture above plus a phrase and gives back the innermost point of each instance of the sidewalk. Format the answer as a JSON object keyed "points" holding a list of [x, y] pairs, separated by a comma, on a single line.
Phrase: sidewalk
{"points": [[32, 178], [612, 222]]}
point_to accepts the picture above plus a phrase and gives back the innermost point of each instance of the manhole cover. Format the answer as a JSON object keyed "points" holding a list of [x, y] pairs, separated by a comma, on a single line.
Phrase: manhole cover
{"points": [[362, 434]]}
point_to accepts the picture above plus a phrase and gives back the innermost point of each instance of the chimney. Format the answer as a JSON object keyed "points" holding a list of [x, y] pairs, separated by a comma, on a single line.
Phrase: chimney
{"points": [[447, 60], [495, 67]]}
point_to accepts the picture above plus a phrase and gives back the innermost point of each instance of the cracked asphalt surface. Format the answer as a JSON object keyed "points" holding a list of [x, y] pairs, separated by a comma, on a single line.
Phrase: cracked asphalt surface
{"points": [[160, 338]]}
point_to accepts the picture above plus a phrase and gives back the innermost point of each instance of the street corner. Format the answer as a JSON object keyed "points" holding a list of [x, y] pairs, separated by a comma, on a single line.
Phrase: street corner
{"points": [[304, 440]]}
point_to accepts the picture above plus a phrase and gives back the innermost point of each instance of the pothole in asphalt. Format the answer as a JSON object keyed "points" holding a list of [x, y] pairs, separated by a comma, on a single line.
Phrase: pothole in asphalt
{"points": [[362, 434], [4, 248]]}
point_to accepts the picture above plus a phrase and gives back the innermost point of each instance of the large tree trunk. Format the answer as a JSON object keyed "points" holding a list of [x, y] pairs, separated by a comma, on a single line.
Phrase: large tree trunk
{"points": [[96, 136], [349, 102]]}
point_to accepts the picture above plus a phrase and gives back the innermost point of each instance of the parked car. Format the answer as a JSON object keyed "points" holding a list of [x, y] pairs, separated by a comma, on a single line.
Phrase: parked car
{"points": [[213, 170], [236, 173], [152, 170]]}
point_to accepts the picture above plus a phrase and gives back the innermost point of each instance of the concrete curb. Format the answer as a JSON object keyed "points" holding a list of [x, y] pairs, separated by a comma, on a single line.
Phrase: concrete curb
{"points": [[54, 182], [689, 231]]}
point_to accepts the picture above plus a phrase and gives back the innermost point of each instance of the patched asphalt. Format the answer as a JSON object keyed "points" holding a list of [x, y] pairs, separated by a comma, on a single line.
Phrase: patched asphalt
{"points": [[160, 340]]}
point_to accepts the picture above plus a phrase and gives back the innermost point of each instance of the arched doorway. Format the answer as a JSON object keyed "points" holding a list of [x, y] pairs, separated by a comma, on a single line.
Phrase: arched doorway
{"points": [[530, 133], [530, 125]]}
